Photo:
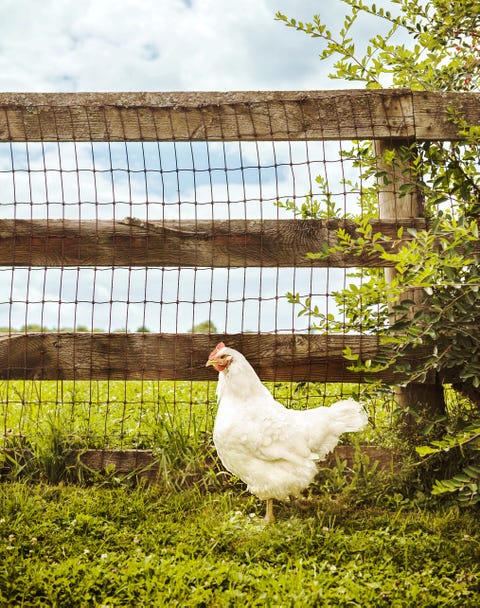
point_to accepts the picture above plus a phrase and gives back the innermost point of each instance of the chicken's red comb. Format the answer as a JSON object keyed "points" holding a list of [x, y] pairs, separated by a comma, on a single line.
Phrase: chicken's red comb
{"points": [[219, 346]]}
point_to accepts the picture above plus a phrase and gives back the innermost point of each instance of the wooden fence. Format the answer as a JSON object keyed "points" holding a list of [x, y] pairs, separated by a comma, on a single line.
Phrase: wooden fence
{"points": [[390, 117]]}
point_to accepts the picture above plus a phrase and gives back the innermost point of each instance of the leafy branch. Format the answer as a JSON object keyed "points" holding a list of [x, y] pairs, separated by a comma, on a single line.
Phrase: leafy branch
{"points": [[432, 45]]}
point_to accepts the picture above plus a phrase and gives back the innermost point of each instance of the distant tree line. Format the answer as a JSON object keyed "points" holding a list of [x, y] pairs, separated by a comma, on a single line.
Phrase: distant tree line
{"points": [[206, 327]]}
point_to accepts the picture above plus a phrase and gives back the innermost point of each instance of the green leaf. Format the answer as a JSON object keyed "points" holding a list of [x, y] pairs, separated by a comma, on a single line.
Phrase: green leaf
{"points": [[425, 450]]}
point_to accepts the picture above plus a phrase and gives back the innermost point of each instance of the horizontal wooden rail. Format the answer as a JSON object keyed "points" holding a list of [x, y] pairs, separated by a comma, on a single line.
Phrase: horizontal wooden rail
{"points": [[148, 356], [234, 116], [219, 243], [144, 464]]}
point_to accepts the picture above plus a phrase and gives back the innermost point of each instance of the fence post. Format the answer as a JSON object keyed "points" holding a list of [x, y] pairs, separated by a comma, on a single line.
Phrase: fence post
{"points": [[428, 397]]}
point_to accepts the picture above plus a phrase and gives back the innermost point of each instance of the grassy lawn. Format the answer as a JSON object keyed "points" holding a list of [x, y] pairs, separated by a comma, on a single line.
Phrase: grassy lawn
{"points": [[361, 538], [119, 546]]}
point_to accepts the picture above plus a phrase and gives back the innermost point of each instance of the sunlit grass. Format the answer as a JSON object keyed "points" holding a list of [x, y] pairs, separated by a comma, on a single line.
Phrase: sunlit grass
{"points": [[131, 414], [105, 414], [71, 546], [359, 537]]}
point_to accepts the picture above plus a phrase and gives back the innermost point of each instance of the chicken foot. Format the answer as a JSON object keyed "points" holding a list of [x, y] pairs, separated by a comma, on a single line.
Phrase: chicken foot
{"points": [[269, 516]]}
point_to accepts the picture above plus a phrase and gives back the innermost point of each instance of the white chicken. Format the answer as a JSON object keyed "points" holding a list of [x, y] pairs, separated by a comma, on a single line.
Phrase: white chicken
{"points": [[274, 450]]}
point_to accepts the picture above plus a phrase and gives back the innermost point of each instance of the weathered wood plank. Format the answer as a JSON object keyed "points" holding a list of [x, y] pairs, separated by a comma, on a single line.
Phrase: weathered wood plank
{"points": [[233, 116], [197, 243], [146, 463], [149, 356], [433, 117], [143, 464]]}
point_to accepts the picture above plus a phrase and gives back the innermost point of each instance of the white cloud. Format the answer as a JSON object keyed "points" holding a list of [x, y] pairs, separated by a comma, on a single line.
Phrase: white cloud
{"points": [[156, 45], [251, 299], [58, 45]]}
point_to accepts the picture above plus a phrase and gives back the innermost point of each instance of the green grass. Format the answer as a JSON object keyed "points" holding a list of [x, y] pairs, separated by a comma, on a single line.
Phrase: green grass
{"points": [[46, 420], [72, 546], [360, 538], [130, 414], [105, 414]]}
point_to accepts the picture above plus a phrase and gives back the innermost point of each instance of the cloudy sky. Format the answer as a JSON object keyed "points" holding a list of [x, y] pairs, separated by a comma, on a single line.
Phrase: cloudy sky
{"points": [[158, 45]]}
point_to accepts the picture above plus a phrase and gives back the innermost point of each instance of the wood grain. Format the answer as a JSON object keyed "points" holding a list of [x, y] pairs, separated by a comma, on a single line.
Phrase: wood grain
{"points": [[234, 116], [143, 465], [149, 356], [146, 464], [201, 243]]}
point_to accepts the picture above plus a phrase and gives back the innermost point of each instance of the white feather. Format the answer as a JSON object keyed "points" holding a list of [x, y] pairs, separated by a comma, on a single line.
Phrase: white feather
{"points": [[274, 450]]}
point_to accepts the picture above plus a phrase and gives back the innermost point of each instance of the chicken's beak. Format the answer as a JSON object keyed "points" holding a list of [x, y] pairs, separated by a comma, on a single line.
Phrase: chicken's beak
{"points": [[210, 362]]}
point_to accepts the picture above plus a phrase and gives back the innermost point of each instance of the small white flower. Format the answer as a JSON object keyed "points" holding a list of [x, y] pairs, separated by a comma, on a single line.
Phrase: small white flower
{"points": [[104, 556]]}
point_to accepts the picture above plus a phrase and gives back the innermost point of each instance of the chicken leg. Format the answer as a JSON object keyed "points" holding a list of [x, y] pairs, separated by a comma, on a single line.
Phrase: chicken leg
{"points": [[269, 516]]}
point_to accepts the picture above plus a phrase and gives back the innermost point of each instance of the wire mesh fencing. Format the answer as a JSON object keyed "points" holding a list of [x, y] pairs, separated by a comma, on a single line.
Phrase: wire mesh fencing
{"points": [[137, 231]]}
